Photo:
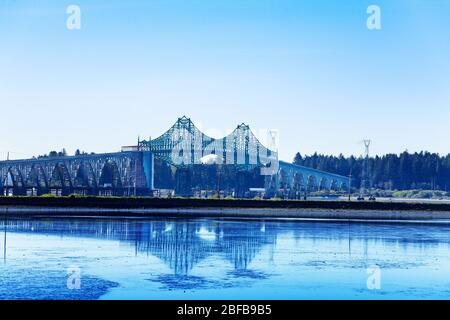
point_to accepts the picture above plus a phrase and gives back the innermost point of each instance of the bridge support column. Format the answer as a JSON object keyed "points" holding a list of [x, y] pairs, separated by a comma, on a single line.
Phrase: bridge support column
{"points": [[148, 160]]}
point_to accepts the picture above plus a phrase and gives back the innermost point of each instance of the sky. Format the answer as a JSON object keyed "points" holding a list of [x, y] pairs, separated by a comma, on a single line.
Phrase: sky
{"points": [[311, 70]]}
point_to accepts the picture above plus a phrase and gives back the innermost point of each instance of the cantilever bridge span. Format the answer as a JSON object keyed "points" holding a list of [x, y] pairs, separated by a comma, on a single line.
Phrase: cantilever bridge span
{"points": [[182, 147], [184, 144]]}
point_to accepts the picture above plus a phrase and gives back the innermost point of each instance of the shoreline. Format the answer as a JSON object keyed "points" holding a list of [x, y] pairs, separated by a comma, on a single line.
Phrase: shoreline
{"points": [[245, 213], [220, 208]]}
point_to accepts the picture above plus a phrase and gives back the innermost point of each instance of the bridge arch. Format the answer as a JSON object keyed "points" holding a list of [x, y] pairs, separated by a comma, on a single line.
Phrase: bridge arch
{"points": [[323, 184], [18, 176], [271, 183], [85, 176], [334, 185], [297, 185], [36, 178], [284, 184], [312, 183], [60, 179], [13, 182], [110, 176], [10, 180], [284, 180], [85, 180]]}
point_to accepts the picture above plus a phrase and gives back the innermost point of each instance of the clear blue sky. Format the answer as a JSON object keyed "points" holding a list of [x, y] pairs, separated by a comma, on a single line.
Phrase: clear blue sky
{"points": [[310, 69]]}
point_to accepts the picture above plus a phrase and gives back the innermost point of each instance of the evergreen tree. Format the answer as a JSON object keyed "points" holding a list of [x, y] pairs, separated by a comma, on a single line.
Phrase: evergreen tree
{"points": [[422, 170]]}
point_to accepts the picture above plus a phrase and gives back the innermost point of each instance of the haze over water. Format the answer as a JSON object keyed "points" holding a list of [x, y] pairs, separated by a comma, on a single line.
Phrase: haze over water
{"points": [[222, 259]]}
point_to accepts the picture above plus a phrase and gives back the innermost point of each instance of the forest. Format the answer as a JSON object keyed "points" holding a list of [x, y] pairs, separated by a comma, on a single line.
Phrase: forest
{"points": [[405, 171]]}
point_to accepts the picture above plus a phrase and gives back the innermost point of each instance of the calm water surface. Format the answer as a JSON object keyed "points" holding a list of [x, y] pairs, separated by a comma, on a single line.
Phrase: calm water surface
{"points": [[222, 259]]}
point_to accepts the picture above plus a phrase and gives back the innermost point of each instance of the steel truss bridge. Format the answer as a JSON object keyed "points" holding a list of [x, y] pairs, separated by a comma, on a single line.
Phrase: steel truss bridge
{"points": [[121, 173], [182, 146]]}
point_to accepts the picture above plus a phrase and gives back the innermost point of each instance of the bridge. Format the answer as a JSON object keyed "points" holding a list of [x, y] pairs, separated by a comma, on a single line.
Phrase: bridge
{"points": [[118, 174], [183, 148], [295, 182], [185, 145]]}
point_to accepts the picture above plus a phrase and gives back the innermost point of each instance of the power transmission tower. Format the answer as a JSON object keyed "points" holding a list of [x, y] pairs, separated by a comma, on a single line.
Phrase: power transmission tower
{"points": [[365, 175]]}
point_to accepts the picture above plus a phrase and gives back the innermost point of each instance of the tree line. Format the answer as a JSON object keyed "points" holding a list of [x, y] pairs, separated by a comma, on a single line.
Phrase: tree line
{"points": [[405, 171], [62, 153]]}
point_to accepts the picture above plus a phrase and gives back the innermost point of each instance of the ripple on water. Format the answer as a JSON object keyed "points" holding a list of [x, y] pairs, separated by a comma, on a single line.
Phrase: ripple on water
{"points": [[50, 285], [250, 274], [182, 282]]}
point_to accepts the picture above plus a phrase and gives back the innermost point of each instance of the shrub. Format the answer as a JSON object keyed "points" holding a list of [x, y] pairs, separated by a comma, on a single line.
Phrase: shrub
{"points": [[74, 195], [48, 195]]}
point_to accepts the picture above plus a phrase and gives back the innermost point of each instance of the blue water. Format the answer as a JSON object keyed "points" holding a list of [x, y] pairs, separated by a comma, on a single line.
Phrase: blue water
{"points": [[223, 259]]}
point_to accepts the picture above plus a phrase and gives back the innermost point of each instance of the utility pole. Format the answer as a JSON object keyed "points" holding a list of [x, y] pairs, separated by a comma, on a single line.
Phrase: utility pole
{"points": [[349, 185], [6, 189], [4, 236], [135, 176], [219, 172], [365, 172]]}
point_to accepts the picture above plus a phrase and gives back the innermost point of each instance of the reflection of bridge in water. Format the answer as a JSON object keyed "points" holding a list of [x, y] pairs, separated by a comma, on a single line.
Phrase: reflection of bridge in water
{"points": [[182, 245], [179, 244]]}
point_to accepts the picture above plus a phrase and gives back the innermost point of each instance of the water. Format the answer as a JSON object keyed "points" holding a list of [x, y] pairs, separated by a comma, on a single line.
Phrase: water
{"points": [[223, 259]]}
